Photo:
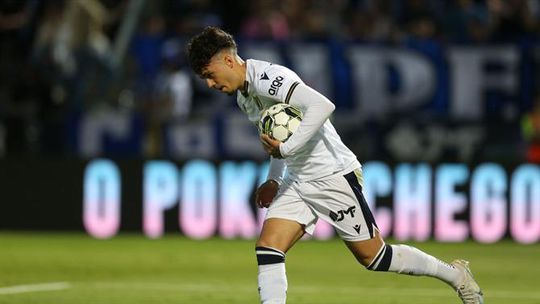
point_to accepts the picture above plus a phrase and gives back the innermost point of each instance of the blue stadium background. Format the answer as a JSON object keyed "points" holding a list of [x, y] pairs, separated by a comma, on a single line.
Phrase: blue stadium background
{"points": [[413, 81]]}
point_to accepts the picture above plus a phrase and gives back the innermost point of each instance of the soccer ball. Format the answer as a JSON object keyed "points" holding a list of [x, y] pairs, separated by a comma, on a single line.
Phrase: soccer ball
{"points": [[280, 121]]}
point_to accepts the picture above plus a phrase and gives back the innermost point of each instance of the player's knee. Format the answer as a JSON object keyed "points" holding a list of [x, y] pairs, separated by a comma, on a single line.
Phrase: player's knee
{"points": [[272, 242], [366, 252], [362, 259], [382, 260], [263, 243]]}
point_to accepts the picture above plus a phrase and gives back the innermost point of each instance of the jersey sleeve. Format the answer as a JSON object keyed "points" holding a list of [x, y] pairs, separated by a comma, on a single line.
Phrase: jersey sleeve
{"points": [[277, 82], [316, 109], [277, 169]]}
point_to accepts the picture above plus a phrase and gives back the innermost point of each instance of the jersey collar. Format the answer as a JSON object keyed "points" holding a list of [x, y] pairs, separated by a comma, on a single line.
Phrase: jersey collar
{"points": [[245, 88]]}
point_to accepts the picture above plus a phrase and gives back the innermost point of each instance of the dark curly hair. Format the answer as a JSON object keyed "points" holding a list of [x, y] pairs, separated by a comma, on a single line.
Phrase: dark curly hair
{"points": [[206, 44]]}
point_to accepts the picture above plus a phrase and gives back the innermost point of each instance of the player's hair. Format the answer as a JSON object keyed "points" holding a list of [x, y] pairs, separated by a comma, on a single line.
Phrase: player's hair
{"points": [[206, 44]]}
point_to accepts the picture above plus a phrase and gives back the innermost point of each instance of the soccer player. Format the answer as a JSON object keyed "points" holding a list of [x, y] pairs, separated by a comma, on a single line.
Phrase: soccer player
{"points": [[323, 180]]}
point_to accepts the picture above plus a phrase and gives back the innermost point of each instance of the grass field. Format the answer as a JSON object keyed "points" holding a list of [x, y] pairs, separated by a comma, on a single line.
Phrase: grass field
{"points": [[133, 269]]}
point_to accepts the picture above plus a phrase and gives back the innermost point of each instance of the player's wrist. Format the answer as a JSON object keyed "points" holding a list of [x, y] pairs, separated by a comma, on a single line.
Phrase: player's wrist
{"points": [[282, 149]]}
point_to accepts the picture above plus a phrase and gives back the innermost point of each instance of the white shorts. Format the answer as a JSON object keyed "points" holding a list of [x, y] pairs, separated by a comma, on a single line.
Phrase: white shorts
{"points": [[337, 200]]}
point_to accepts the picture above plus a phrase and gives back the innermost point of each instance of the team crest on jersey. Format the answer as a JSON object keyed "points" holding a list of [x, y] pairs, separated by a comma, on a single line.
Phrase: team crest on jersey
{"points": [[275, 85]]}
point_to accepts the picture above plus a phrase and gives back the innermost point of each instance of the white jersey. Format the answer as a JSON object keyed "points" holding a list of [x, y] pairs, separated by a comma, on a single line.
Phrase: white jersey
{"points": [[324, 154]]}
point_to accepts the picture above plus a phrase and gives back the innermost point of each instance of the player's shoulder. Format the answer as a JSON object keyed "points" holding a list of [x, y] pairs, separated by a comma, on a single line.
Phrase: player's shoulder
{"points": [[264, 70], [268, 78]]}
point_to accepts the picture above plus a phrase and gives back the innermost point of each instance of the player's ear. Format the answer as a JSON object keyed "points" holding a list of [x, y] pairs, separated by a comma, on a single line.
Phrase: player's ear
{"points": [[229, 60]]}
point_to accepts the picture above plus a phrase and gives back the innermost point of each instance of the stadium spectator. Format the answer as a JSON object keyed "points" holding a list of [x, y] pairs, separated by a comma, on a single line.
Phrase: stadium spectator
{"points": [[371, 22], [146, 50], [512, 19], [65, 47], [19, 93], [266, 20], [171, 97], [189, 16], [173, 84]]}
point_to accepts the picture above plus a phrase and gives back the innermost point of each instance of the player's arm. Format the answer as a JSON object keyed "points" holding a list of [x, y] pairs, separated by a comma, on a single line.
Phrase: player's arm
{"points": [[267, 191], [316, 109], [285, 86], [276, 170]]}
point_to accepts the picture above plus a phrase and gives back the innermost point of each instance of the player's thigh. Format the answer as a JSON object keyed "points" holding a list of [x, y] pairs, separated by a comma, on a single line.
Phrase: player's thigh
{"points": [[280, 233], [339, 201], [365, 251], [287, 219]]}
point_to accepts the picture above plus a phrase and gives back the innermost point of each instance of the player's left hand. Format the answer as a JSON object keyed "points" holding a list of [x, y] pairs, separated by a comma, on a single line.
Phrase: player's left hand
{"points": [[271, 146], [265, 193]]}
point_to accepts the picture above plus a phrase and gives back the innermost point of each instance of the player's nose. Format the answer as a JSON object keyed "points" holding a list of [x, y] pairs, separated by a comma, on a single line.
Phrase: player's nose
{"points": [[210, 83]]}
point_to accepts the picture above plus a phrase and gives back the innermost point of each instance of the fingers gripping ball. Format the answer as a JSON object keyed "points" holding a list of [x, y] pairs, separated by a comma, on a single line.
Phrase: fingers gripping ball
{"points": [[280, 121]]}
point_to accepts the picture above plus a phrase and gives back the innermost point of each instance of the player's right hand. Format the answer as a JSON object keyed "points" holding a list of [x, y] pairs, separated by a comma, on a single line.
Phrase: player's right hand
{"points": [[266, 193], [271, 146]]}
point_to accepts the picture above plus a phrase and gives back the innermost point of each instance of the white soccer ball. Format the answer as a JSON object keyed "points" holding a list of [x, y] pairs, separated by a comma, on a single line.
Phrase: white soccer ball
{"points": [[280, 121]]}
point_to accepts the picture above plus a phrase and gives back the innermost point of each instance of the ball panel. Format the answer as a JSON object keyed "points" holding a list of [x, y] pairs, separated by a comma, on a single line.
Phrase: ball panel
{"points": [[293, 124], [281, 118], [280, 121], [267, 124], [280, 133]]}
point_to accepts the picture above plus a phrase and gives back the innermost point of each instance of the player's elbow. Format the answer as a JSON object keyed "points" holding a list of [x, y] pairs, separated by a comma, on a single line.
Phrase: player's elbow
{"points": [[327, 108], [330, 107], [305, 96]]}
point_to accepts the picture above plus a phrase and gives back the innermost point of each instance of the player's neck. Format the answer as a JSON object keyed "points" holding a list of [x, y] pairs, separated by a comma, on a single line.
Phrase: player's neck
{"points": [[243, 67], [242, 72]]}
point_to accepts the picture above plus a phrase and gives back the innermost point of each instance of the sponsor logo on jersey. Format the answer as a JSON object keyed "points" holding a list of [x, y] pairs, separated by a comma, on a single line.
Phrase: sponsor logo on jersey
{"points": [[275, 85], [264, 77], [340, 215]]}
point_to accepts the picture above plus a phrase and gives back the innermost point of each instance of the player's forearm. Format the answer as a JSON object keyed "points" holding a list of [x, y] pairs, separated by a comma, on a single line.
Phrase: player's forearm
{"points": [[277, 170], [316, 109]]}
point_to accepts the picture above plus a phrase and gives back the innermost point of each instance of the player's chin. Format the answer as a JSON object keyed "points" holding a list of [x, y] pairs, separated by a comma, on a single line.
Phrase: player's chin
{"points": [[229, 92], [225, 91]]}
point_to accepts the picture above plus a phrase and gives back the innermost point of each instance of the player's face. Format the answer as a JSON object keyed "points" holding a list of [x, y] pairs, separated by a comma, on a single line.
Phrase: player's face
{"points": [[220, 75]]}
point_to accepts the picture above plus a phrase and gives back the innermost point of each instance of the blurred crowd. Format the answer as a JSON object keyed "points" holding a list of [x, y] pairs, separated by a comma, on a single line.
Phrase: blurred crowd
{"points": [[60, 59]]}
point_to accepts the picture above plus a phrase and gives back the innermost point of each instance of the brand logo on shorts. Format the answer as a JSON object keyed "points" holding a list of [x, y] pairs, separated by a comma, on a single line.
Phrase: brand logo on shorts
{"points": [[340, 215], [357, 228], [276, 84]]}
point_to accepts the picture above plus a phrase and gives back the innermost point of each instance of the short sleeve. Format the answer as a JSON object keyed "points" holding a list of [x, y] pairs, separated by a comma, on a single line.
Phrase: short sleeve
{"points": [[277, 82]]}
